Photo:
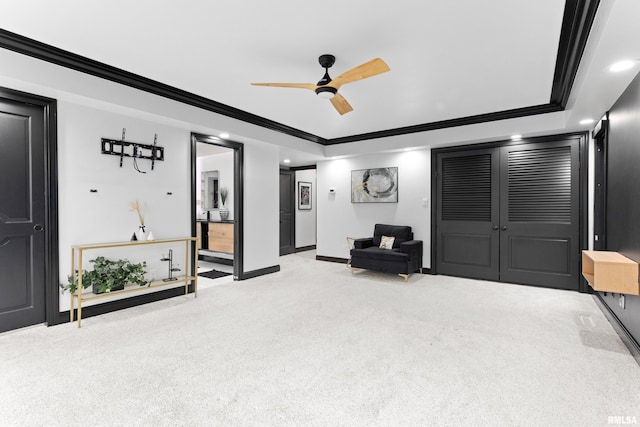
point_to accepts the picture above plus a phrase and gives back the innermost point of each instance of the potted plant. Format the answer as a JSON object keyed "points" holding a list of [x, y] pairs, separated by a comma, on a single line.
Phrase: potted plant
{"points": [[108, 275], [224, 211]]}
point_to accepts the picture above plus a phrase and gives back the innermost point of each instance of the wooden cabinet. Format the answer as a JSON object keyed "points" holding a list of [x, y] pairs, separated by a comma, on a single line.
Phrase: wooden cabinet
{"points": [[216, 236], [220, 237], [610, 272]]}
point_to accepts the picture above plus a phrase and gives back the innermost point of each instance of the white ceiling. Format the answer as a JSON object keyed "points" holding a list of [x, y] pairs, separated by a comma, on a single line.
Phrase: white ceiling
{"points": [[448, 59]]}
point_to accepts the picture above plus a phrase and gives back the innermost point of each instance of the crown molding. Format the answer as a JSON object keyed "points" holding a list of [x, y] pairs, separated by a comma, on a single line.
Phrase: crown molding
{"points": [[577, 20]]}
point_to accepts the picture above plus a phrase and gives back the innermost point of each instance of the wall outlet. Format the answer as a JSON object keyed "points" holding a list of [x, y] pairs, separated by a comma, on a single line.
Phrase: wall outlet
{"points": [[621, 301]]}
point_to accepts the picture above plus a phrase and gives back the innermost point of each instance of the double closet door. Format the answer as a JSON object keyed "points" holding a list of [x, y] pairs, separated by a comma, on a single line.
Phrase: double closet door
{"points": [[510, 213]]}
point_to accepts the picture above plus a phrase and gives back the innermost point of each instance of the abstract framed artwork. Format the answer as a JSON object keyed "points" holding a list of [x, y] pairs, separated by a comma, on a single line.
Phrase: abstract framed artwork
{"points": [[304, 195], [379, 185]]}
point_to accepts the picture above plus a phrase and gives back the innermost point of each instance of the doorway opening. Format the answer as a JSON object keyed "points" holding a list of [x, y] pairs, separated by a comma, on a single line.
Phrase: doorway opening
{"points": [[217, 204]]}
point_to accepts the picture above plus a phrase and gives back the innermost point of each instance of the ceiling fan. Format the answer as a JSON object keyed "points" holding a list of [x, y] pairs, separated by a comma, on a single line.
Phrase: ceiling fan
{"points": [[328, 88]]}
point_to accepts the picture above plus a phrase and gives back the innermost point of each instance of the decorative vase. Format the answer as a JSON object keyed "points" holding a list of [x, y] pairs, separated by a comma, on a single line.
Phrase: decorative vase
{"points": [[224, 213], [150, 236], [141, 234]]}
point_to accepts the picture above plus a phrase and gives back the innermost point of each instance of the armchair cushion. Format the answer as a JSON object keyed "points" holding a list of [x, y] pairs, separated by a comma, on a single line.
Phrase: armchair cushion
{"points": [[401, 233]]}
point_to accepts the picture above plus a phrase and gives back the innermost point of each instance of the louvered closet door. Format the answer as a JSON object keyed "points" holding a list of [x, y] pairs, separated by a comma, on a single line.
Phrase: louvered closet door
{"points": [[539, 214], [468, 213]]}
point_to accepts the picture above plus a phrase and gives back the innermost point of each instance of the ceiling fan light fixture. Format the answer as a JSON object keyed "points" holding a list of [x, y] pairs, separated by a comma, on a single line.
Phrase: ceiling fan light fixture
{"points": [[326, 92]]}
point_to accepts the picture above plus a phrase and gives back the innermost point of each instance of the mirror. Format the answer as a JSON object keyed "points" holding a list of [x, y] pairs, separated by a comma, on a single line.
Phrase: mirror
{"points": [[209, 185]]}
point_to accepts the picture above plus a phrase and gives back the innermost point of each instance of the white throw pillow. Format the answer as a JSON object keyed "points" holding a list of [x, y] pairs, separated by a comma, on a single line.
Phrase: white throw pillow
{"points": [[387, 242]]}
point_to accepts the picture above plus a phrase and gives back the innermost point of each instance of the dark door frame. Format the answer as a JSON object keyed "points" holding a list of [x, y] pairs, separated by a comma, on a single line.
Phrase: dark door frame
{"points": [[52, 258], [600, 140], [238, 198], [583, 190], [292, 197]]}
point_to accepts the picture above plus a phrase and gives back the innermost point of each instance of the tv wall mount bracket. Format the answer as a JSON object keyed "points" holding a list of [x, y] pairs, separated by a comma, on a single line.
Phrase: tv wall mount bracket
{"points": [[135, 150]]}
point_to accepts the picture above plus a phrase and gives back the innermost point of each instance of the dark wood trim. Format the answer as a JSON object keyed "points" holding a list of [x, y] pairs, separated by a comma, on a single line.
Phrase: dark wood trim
{"points": [[121, 304], [463, 121], [331, 259], [305, 248], [576, 26], [577, 21], [434, 210], [303, 168], [623, 333], [45, 52], [601, 143], [238, 196], [260, 272], [52, 257], [583, 191]]}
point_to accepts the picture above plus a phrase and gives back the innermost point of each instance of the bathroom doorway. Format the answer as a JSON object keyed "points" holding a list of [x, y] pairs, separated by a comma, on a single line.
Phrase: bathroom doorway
{"points": [[216, 205]]}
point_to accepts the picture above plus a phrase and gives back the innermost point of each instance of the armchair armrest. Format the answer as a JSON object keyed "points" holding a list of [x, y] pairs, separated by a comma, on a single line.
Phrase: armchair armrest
{"points": [[413, 248], [363, 243]]}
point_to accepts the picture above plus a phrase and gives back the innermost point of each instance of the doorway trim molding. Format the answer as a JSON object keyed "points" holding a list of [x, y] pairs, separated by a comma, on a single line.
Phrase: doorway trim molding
{"points": [[583, 188], [238, 197], [52, 259]]}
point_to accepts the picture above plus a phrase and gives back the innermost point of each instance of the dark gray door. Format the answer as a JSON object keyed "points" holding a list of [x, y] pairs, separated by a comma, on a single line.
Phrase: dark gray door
{"points": [[22, 215], [287, 202], [468, 214], [539, 233], [510, 213]]}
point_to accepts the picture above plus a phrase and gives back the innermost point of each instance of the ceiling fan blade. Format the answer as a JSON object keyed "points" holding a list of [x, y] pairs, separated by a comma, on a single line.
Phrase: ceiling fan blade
{"points": [[309, 86], [368, 69], [341, 104]]}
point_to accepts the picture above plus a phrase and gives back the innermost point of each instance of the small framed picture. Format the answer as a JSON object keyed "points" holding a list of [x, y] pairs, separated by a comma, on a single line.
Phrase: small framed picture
{"points": [[304, 196]]}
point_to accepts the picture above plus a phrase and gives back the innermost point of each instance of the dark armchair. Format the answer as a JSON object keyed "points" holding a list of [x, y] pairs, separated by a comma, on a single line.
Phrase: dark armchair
{"points": [[404, 258]]}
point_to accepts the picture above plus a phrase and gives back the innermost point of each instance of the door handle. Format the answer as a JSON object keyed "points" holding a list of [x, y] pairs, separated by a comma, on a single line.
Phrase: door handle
{"points": [[504, 228], [38, 227], [495, 227]]}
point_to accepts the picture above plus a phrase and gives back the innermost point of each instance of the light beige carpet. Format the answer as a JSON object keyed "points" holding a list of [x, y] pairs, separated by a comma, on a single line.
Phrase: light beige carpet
{"points": [[316, 345]]}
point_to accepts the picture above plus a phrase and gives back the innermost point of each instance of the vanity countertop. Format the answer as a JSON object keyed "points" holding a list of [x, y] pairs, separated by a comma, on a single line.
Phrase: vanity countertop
{"points": [[229, 221]]}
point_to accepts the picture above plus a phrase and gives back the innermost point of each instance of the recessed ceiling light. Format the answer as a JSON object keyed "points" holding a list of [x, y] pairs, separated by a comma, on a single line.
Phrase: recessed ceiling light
{"points": [[287, 161], [586, 121], [224, 135], [516, 137], [621, 66]]}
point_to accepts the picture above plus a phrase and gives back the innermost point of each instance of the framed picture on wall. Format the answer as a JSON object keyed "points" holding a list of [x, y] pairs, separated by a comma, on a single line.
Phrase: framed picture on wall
{"points": [[379, 185], [304, 195]]}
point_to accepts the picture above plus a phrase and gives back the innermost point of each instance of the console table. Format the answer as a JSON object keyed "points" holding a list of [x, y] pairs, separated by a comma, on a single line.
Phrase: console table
{"points": [[77, 252]]}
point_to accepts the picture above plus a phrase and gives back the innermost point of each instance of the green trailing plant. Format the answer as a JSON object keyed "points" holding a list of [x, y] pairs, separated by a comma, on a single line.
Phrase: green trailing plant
{"points": [[108, 275], [224, 192]]}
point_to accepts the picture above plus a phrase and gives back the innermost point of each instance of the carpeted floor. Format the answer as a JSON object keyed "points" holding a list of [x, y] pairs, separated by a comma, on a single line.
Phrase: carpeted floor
{"points": [[315, 345]]}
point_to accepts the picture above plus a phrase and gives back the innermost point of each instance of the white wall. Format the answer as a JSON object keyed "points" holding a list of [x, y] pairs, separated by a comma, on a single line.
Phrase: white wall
{"points": [[338, 218], [306, 219], [89, 109], [262, 204], [105, 216], [223, 163]]}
